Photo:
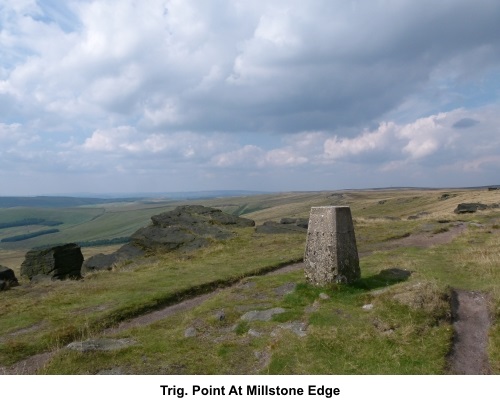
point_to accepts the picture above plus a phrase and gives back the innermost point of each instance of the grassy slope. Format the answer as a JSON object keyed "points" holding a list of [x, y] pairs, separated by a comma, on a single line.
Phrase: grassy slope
{"points": [[406, 333]]}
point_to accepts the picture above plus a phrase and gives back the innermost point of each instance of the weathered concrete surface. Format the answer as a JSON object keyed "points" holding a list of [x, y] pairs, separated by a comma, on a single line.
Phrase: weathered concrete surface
{"points": [[331, 255]]}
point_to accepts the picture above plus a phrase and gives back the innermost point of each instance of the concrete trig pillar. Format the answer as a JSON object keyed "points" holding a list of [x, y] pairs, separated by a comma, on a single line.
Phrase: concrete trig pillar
{"points": [[331, 255]]}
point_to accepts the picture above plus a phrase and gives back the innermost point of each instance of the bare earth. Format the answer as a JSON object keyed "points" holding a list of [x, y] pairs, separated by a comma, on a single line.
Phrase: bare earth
{"points": [[471, 322], [469, 312]]}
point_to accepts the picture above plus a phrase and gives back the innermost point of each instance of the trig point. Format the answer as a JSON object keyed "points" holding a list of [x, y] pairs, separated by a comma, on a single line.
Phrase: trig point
{"points": [[331, 254]]}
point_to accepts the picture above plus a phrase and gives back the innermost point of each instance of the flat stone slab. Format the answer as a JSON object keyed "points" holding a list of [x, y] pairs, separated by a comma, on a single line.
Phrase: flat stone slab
{"points": [[297, 327], [100, 344], [285, 289], [264, 315]]}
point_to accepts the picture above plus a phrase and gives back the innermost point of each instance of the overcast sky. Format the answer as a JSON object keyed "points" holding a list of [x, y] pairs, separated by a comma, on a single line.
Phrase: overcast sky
{"points": [[276, 95]]}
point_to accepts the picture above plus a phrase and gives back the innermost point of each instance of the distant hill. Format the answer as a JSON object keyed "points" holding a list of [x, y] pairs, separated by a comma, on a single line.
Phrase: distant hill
{"points": [[69, 201], [57, 202]]}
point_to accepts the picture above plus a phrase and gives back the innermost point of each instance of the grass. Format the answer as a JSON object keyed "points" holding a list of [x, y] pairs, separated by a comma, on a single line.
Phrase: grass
{"points": [[407, 331], [76, 309]]}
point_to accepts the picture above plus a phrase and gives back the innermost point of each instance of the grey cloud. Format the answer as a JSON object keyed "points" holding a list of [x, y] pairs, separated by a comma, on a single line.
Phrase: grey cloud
{"points": [[465, 123]]}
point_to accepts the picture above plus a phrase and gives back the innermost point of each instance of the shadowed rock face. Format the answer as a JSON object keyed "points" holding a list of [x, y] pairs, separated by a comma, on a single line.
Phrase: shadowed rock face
{"points": [[58, 262], [7, 278], [185, 228]]}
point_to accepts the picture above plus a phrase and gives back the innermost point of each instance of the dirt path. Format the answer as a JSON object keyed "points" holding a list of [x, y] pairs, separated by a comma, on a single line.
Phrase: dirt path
{"points": [[471, 322], [154, 316], [426, 240]]}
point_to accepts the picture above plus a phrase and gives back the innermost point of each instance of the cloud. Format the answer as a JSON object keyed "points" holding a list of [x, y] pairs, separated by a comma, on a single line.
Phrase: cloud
{"points": [[164, 84]]}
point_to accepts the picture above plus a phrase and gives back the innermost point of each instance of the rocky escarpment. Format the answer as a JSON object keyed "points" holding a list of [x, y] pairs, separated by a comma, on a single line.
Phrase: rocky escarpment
{"points": [[57, 262], [185, 228]]}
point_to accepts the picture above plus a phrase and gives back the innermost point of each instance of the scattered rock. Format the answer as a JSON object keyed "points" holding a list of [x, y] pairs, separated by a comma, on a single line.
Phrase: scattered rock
{"points": [[112, 371], [297, 327], [265, 315], [395, 274], [383, 327], [190, 332], [285, 289], [313, 307], [7, 278], [342, 313], [263, 359], [469, 208], [271, 227], [220, 315], [446, 196], [419, 215], [300, 222], [58, 262], [100, 344], [254, 333], [324, 296], [368, 307]]}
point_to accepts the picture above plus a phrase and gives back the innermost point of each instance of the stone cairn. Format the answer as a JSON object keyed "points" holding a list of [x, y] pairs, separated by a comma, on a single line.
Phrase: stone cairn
{"points": [[331, 255]]}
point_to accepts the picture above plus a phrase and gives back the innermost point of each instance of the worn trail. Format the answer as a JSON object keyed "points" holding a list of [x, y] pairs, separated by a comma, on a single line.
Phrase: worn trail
{"points": [[471, 322]]}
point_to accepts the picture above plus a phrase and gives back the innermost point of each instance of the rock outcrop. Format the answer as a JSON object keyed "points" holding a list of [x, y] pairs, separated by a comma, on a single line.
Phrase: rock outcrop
{"points": [[469, 208], [185, 228], [57, 262], [107, 261], [7, 278]]}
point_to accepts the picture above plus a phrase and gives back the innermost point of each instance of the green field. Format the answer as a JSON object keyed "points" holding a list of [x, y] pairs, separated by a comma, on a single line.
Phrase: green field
{"points": [[408, 331]]}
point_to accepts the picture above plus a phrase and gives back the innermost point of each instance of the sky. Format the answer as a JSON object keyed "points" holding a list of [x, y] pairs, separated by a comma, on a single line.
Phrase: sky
{"points": [[277, 95]]}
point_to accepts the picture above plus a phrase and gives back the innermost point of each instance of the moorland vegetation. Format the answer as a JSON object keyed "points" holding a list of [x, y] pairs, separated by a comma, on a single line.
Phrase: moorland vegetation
{"points": [[381, 324]]}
